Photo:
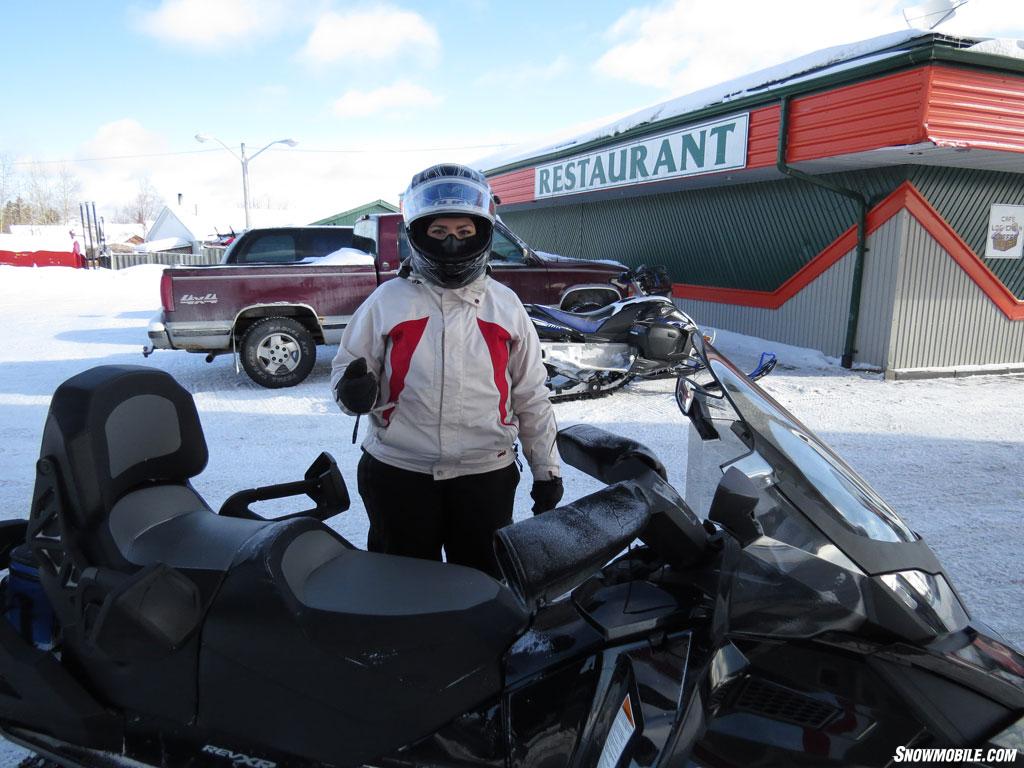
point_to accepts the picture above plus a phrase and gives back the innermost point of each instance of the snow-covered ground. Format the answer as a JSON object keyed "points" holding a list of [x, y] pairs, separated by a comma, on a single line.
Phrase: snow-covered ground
{"points": [[948, 454]]}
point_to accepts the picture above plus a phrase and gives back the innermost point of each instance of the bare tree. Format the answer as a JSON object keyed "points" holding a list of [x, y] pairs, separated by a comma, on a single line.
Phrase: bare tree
{"points": [[67, 190], [41, 195], [146, 204], [8, 188]]}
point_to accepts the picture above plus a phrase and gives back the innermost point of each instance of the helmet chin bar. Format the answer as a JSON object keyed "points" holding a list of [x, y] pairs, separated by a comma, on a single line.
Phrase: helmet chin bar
{"points": [[433, 261]]}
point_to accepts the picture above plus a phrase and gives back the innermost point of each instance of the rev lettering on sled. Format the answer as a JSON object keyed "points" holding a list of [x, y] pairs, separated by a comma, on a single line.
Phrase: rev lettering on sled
{"points": [[237, 758]]}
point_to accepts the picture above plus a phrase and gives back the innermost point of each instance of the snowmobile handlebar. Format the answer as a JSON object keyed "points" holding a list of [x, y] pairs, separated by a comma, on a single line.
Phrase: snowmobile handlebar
{"points": [[605, 456], [550, 554]]}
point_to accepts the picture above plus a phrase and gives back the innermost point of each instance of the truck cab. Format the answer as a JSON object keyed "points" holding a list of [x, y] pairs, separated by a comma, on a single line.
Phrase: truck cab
{"points": [[536, 277]]}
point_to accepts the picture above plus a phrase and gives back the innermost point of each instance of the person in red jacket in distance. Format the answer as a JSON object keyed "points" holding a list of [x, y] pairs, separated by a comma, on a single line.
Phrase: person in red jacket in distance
{"points": [[447, 364]]}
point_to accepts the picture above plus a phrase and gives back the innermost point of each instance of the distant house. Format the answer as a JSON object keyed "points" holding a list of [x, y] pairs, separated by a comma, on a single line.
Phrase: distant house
{"points": [[177, 229], [180, 228], [348, 218]]}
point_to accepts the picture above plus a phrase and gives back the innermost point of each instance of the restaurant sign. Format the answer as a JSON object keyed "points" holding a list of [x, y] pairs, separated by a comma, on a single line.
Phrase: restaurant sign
{"points": [[716, 146]]}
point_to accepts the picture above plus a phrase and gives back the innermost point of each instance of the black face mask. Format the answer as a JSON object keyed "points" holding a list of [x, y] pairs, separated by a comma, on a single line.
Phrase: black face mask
{"points": [[454, 248], [451, 249]]}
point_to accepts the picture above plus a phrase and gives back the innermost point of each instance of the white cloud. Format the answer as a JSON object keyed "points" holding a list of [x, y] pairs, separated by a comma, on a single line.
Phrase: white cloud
{"points": [[986, 18], [389, 98], [685, 45], [375, 34], [211, 23]]}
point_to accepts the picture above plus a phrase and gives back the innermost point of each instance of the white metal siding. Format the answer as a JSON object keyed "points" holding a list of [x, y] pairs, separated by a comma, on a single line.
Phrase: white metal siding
{"points": [[874, 326], [941, 317]]}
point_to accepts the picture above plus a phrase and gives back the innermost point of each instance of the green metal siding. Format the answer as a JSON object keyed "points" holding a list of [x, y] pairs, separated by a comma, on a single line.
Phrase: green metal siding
{"points": [[348, 218], [963, 198], [756, 236], [751, 236]]}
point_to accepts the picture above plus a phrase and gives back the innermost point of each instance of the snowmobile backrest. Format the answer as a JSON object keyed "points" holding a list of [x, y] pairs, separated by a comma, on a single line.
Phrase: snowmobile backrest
{"points": [[606, 456], [548, 555], [114, 428]]}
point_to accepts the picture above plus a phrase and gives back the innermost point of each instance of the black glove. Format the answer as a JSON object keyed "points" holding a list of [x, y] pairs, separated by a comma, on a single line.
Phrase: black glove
{"points": [[546, 494], [357, 388]]}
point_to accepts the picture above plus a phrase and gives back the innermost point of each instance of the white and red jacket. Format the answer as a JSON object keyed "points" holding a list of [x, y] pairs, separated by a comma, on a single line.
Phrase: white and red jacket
{"points": [[461, 378]]}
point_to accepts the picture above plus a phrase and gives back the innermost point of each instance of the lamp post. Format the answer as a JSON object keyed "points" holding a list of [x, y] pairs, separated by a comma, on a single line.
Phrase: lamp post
{"points": [[244, 159]]}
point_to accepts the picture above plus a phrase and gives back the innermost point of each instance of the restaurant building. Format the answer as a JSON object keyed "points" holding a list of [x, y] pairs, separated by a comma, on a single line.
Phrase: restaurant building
{"points": [[866, 201]]}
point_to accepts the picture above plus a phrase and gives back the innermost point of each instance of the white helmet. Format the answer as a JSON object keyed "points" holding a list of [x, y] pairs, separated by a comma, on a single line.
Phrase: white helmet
{"points": [[449, 190]]}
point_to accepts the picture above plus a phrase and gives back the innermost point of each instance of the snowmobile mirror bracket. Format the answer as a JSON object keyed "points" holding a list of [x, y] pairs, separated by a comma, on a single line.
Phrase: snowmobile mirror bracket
{"points": [[733, 506], [690, 397], [322, 483]]}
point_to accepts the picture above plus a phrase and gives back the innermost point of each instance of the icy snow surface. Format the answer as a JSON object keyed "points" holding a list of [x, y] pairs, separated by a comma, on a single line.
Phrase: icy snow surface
{"points": [[948, 454]]}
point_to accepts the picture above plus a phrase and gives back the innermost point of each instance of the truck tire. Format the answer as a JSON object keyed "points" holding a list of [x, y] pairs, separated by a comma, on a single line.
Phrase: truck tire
{"points": [[278, 352]]}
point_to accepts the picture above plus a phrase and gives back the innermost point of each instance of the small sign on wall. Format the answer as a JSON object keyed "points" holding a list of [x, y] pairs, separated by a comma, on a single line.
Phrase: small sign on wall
{"points": [[1005, 239]]}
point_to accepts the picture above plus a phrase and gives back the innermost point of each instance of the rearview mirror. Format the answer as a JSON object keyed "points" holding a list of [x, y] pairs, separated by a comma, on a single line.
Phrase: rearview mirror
{"points": [[691, 399]]}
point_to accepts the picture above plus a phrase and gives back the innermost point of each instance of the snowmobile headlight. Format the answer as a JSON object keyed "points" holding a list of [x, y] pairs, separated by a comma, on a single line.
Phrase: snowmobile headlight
{"points": [[930, 597]]}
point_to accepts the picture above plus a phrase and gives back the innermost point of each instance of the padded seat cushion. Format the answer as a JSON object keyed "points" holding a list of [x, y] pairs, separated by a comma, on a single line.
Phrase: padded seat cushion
{"points": [[171, 524], [327, 576], [584, 322]]}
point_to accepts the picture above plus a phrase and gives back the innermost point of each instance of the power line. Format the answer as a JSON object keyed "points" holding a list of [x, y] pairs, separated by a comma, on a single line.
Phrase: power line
{"points": [[112, 157], [199, 151], [416, 148]]}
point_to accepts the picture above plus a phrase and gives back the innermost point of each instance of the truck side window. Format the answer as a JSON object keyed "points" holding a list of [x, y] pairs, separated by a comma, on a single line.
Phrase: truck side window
{"points": [[323, 242], [505, 251], [270, 249]]}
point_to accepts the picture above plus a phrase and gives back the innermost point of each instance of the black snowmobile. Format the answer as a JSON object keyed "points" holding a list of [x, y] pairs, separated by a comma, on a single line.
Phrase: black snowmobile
{"points": [[644, 336], [801, 623]]}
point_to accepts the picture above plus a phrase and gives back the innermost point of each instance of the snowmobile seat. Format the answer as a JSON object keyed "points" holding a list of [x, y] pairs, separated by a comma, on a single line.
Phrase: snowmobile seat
{"points": [[584, 322], [135, 562], [379, 650], [129, 553], [125, 441]]}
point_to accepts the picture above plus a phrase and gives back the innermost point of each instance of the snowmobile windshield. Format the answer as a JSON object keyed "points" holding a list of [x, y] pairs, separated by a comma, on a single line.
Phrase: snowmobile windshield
{"points": [[792, 449], [827, 554]]}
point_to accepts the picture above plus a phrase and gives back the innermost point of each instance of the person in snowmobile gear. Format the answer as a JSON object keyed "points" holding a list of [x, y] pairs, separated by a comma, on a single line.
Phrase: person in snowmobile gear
{"points": [[446, 363]]}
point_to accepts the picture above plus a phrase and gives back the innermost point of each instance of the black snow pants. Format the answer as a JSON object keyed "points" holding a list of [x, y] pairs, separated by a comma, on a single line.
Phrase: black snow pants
{"points": [[413, 514]]}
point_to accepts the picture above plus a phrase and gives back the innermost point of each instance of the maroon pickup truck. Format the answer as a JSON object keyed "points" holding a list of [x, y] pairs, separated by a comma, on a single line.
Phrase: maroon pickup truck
{"points": [[273, 307]]}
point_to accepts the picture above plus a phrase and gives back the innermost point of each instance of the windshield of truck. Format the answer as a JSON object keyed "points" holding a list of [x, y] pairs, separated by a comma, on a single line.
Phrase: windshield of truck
{"points": [[504, 250], [324, 241]]}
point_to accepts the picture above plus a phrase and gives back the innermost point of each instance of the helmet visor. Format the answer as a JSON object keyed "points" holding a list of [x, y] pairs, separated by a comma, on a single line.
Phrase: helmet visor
{"points": [[456, 197]]}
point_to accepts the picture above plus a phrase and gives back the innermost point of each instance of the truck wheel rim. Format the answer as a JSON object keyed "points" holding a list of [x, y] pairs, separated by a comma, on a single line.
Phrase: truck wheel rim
{"points": [[279, 354]]}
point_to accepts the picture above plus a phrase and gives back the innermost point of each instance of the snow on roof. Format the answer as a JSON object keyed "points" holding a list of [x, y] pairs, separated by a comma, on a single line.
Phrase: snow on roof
{"points": [[205, 222], [808, 67], [1000, 47]]}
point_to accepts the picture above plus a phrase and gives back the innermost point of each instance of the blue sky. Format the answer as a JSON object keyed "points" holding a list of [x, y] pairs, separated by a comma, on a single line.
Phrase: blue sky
{"points": [[362, 86]]}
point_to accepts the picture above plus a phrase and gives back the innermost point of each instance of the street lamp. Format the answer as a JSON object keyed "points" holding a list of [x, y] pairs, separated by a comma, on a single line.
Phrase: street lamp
{"points": [[201, 137]]}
